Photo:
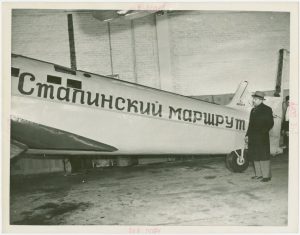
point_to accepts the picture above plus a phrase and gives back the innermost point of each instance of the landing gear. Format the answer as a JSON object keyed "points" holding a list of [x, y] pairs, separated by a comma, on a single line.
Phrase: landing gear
{"points": [[237, 160], [67, 166], [75, 165]]}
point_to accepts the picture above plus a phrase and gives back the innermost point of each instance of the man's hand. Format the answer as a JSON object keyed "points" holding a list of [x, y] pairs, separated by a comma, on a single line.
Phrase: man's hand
{"points": [[246, 139]]}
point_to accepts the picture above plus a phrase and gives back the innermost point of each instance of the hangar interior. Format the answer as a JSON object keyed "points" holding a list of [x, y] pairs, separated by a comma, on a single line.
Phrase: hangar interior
{"points": [[200, 54], [194, 53]]}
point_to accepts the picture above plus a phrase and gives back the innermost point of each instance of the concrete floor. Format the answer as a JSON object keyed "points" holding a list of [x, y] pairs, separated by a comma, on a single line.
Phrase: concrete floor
{"points": [[199, 192]]}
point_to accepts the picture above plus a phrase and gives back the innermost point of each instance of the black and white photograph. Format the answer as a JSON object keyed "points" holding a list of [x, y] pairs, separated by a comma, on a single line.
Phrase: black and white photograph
{"points": [[152, 115]]}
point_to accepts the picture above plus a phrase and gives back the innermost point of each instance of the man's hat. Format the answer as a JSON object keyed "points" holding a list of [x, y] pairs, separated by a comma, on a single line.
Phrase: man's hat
{"points": [[259, 94]]}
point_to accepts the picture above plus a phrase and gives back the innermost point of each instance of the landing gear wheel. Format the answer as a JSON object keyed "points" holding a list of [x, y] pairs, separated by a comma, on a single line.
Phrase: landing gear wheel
{"points": [[237, 161]]}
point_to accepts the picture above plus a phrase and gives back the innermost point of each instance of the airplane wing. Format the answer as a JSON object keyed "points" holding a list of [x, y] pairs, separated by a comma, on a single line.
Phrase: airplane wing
{"points": [[34, 138], [120, 15], [16, 148]]}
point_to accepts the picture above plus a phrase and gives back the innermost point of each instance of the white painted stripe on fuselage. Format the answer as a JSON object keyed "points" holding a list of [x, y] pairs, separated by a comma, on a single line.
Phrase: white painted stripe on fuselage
{"points": [[129, 133]]}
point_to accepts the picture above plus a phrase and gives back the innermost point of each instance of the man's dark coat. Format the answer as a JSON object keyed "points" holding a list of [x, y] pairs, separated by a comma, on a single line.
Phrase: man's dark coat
{"points": [[260, 123]]}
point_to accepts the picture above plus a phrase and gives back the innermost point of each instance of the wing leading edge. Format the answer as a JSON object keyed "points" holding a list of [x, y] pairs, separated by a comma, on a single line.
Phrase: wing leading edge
{"points": [[39, 137]]}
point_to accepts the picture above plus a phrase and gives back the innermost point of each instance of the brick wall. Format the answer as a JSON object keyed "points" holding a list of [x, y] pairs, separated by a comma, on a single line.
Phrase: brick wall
{"points": [[146, 51], [91, 44], [213, 52], [41, 34], [210, 52]]}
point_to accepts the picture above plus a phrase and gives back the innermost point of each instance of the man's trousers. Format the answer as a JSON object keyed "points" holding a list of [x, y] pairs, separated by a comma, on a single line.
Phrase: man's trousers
{"points": [[262, 168]]}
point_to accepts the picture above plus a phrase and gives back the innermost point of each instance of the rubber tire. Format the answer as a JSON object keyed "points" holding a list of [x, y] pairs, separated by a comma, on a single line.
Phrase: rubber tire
{"points": [[231, 162]]}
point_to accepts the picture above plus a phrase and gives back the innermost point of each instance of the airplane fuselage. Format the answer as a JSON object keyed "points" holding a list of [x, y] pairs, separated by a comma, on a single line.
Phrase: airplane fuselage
{"points": [[132, 118]]}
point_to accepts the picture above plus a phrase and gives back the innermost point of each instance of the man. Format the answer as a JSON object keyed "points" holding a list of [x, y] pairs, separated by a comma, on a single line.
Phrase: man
{"points": [[285, 125], [257, 136]]}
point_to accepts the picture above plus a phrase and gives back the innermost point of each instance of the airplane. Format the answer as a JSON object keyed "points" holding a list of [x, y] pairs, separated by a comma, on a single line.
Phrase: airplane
{"points": [[57, 112]]}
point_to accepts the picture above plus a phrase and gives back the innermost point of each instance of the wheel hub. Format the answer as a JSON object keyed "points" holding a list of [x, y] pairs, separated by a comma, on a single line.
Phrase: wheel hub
{"points": [[240, 161], [240, 158]]}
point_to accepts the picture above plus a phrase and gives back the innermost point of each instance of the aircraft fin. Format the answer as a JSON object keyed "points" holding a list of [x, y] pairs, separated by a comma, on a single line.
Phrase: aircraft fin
{"points": [[242, 98]]}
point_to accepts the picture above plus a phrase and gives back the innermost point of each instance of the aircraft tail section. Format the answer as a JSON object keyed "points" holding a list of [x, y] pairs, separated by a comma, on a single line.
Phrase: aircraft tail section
{"points": [[242, 97], [243, 100]]}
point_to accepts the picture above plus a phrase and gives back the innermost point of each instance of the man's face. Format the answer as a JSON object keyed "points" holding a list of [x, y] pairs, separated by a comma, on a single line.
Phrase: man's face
{"points": [[256, 101]]}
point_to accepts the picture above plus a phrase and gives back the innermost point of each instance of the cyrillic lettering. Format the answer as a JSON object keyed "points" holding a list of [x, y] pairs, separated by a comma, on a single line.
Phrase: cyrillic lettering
{"points": [[173, 111], [132, 104], [75, 91], [187, 115], [46, 88], [21, 83], [209, 118], [146, 110], [118, 99], [229, 123], [109, 100], [66, 95], [158, 112], [240, 124], [89, 99], [197, 116], [219, 119]]}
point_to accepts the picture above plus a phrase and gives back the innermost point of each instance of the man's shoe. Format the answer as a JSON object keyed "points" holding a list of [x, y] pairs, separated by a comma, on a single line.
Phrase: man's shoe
{"points": [[256, 177], [266, 179]]}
